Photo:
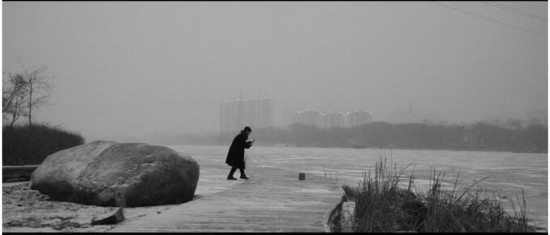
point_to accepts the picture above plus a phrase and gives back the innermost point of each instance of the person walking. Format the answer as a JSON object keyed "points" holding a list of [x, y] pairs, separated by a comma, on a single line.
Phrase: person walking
{"points": [[235, 156]]}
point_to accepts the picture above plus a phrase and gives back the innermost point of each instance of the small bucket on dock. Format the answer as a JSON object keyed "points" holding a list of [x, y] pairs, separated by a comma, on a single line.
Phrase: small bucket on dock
{"points": [[302, 176]]}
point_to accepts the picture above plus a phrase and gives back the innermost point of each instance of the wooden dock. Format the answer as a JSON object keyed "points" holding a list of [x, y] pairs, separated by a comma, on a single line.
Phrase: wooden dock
{"points": [[17, 173], [273, 200]]}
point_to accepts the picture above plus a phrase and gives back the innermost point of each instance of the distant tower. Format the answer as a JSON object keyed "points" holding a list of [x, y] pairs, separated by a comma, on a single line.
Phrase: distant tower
{"points": [[242, 111], [410, 107]]}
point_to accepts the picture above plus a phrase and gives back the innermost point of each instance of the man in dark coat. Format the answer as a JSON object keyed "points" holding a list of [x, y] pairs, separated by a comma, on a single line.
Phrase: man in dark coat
{"points": [[235, 156]]}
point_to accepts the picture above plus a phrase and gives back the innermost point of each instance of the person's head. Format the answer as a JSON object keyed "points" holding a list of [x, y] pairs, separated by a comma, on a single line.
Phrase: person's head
{"points": [[247, 130]]}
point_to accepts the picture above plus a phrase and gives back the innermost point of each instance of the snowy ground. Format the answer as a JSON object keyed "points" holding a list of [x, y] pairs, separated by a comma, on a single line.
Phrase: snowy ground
{"points": [[25, 210]]}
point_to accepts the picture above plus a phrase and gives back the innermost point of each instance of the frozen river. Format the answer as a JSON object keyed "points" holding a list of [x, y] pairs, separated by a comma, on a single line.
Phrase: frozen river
{"points": [[508, 173]]}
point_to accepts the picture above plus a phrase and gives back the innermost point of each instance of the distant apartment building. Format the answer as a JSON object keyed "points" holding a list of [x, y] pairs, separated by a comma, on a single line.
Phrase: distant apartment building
{"points": [[308, 117], [332, 119], [238, 113], [357, 118]]}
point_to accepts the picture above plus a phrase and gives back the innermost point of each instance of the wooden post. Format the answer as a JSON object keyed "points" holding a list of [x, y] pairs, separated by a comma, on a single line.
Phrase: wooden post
{"points": [[302, 176]]}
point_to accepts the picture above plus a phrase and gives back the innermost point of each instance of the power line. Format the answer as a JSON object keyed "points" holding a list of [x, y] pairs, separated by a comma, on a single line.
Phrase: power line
{"points": [[493, 20], [517, 11], [523, 11]]}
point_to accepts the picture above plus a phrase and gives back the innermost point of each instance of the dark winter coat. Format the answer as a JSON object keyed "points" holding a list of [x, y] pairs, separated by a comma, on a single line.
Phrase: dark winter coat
{"points": [[235, 156]]}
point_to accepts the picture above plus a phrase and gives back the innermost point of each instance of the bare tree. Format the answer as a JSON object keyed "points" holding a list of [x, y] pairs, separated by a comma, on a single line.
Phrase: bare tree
{"points": [[38, 85], [13, 97]]}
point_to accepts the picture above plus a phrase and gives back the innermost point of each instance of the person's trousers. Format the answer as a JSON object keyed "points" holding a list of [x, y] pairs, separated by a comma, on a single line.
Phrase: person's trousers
{"points": [[233, 169]]}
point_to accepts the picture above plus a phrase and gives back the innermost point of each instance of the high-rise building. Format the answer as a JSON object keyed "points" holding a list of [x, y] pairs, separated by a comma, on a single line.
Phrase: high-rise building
{"points": [[308, 117], [357, 118], [333, 119], [238, 113]]}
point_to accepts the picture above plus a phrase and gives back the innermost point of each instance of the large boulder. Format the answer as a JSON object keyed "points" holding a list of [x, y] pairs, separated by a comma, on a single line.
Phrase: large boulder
{"points": [[58, 173], [96, 172]]}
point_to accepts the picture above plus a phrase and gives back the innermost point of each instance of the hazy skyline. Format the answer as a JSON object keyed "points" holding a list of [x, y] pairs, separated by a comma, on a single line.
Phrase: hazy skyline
{"points": [[133, 68]]}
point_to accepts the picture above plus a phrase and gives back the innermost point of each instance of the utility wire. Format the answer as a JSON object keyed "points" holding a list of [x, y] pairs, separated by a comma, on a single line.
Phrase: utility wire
{"points": [[493, 20], [523, 11], [517, 11]]}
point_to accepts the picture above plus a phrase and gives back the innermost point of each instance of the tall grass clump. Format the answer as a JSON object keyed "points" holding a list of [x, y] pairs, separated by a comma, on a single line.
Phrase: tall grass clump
{"points": [[30, 145], [386, 201]]}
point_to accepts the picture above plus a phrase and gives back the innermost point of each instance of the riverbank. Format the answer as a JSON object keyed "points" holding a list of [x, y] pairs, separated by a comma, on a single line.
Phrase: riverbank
{"points": [[26, 210], [273, 200], [382, 203], [509, 172]]}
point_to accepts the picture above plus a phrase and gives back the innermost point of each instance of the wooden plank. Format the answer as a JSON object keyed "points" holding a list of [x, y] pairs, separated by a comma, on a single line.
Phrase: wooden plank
{"points": [[17, 173], [273, 200]]}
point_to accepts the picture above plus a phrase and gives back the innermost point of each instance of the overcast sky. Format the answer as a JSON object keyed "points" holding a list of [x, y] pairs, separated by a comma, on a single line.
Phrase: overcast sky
{"points": [[129, 68]]}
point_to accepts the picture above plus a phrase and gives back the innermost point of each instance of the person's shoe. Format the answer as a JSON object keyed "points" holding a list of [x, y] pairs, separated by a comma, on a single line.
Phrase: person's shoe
{"points": [[231, 178], [244, 177]]}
